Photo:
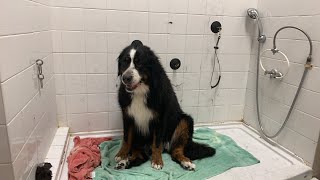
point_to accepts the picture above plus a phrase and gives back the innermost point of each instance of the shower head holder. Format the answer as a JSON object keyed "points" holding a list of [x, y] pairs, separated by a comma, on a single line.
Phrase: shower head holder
{"points": [[274, 73]]}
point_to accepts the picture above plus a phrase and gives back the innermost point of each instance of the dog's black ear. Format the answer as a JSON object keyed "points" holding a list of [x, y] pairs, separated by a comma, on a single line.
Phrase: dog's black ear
{"points": [[155, 77], [136, 43], [118, 59]]}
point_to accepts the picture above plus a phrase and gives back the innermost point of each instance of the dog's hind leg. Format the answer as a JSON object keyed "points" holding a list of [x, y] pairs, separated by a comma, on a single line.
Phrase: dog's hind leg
{"points": [[179, 141]]}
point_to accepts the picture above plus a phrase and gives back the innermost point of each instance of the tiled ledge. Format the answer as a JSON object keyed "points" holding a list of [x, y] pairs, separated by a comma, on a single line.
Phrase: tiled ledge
{"points": [[56, 151]]}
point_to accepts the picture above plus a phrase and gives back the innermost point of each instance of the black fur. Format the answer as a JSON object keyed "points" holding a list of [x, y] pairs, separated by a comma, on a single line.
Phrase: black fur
{"points": [[43, 172], [161, 98], [195, 150]]}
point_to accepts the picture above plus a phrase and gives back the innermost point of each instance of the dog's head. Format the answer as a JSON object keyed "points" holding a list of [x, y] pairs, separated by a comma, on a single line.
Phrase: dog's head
{"points": [[135, 65]]}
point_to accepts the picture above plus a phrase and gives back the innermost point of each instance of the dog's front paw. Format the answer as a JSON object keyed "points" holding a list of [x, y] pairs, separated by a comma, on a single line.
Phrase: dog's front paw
{"points": [[188, 165], [120, 156], [157, 164], [122, 164], [117, 158]]}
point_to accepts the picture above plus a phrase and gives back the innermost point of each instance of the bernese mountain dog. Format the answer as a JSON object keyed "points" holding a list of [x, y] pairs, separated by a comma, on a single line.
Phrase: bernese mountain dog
{"points": [[152, 116]]}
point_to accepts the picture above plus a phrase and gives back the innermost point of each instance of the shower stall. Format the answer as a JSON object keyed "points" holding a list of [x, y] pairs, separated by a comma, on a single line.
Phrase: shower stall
{"points": [[58, 74]]}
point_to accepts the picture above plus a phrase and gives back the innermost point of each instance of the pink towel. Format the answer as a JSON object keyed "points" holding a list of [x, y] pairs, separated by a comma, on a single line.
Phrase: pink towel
{"points": [[84, 157]]}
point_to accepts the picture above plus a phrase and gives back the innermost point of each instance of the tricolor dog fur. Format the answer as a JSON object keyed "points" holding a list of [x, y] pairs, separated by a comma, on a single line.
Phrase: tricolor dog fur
{"points": [[152, 116]]}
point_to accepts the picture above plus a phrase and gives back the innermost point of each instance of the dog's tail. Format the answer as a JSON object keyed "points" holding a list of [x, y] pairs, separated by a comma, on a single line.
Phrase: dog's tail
{"points": [[195, 150]]}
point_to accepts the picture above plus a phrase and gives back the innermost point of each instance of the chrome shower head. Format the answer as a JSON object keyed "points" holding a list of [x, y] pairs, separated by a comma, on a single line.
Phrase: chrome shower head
{"points": [[253, 13]]}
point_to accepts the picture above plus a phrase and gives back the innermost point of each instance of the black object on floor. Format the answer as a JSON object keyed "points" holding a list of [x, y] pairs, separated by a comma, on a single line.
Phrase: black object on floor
{"points": [[43, 172]]}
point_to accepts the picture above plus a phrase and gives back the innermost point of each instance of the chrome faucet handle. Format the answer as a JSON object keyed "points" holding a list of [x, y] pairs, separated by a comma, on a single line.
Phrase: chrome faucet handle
{"points": [[273, 73]]}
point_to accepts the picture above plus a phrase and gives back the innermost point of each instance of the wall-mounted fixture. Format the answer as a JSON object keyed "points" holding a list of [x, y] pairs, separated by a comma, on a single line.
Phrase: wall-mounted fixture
{"points": [[39, 64], [274, 73], [175, 63], [215, 27], [253, 14]]}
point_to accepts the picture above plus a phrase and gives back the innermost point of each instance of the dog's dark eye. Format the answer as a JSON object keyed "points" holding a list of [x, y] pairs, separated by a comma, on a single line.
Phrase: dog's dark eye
{"points": [[127, 59], [137, 62]]}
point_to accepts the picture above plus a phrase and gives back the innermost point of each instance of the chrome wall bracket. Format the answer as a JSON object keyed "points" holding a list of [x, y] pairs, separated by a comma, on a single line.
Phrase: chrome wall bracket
{"points": [[39, 64]]}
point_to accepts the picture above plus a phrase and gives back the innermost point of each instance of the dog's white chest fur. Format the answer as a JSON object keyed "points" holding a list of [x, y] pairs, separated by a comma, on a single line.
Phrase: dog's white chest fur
{"points": [[139, 110]]}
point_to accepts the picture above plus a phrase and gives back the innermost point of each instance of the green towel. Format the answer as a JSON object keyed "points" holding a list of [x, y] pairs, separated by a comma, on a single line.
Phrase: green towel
{"points": [[228, 155]]}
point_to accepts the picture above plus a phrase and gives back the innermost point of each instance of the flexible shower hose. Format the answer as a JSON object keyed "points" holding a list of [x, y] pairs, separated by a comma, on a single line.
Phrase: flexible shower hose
{"points": [[306, 68]]}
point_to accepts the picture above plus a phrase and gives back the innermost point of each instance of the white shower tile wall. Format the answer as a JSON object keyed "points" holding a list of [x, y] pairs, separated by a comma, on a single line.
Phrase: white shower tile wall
{"points": [[88, 36], [301, 133], [27, 114]]}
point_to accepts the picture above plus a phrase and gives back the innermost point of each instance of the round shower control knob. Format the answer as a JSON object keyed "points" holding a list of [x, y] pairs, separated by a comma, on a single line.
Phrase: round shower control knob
{"points": [[215, 27], [175, 63]]}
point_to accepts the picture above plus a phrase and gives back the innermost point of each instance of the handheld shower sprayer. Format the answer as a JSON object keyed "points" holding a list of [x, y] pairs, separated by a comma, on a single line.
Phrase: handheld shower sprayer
{"points": [[274, 73], [216, 28], [253, 14]]}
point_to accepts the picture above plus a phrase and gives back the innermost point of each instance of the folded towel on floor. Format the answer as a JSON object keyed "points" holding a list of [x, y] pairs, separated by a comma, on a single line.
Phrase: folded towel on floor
{"points": [[228, 155], [84, 157]]}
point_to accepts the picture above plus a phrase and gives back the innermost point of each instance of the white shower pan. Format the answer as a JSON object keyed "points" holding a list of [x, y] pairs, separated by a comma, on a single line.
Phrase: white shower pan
{"points": [[276, 163]]}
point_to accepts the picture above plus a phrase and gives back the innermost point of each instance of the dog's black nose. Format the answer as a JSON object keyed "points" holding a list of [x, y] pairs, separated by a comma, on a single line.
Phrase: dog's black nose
{"points": [[127, 79]]}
